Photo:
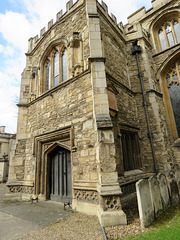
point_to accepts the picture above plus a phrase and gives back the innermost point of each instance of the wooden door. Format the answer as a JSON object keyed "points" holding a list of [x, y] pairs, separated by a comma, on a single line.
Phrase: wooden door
{"points": [[60, 179]]}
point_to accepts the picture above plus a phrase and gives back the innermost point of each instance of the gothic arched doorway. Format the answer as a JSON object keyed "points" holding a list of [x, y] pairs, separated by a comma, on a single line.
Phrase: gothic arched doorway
{"points": [[59, 164]]}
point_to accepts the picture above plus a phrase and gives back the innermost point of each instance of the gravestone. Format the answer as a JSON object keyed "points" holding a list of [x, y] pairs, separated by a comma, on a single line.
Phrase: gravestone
{"points": [[163, 190], [145, 206], [173, 188], [155, 195], [177, 177]]}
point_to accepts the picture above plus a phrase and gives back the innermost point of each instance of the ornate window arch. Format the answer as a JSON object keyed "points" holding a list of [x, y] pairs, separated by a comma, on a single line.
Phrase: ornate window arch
{"points": [[55, 66], [171, 90], [166, 31]]}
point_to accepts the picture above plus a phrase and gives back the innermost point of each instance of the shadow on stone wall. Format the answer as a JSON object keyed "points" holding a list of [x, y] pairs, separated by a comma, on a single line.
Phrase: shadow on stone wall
{"points": [[156, 194]]}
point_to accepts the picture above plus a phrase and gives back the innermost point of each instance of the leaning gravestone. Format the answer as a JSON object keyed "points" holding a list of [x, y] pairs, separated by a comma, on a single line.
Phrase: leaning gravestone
{"points": [[163, 190], [155, 195], [177, 177], [145, 206], [173, 188]]}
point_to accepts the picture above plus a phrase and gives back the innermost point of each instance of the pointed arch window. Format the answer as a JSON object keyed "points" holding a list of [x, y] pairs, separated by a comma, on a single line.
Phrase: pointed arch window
{"points": [[173, 85], [55, 67], [169, 34]]}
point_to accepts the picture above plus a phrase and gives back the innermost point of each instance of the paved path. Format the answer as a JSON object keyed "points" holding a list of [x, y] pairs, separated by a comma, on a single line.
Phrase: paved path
{"points": [[18, 219]]}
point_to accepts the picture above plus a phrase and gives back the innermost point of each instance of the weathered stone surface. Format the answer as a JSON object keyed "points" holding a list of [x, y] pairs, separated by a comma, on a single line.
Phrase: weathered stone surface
{"points": [[164, 190], [173, 188], [155, 195], [145, 204]]}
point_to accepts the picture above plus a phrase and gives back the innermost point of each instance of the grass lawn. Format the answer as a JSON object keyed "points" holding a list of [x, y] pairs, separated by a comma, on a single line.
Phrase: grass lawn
{"points": [[166, 227]]}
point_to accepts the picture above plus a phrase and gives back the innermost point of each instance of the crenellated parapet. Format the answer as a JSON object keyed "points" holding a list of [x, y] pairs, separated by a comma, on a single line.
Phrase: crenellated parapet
{"points": [[112, 16], [59, 16]]}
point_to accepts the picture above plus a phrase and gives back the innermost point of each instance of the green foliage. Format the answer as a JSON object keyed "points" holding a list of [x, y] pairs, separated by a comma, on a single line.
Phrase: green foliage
{"points": [[166, 227]]}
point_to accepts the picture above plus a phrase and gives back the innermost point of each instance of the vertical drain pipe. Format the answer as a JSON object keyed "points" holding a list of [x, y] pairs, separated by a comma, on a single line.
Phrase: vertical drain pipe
{"points": [[136, 50]]}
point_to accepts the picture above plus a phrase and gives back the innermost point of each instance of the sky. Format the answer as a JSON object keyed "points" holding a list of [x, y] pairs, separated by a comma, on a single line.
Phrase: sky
{"points": [[21, 20]]}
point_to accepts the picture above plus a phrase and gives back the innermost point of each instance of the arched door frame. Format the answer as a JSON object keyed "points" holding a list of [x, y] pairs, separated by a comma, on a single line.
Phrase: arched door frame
{"points": [[47, 160], [43, 145]]}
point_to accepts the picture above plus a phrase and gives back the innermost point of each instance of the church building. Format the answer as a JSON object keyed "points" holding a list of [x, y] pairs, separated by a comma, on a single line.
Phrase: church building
{"points": [[99, 108]]}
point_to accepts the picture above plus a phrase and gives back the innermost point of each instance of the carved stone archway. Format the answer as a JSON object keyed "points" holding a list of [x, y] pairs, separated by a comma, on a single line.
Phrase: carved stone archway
{"points": [[43, 145]]}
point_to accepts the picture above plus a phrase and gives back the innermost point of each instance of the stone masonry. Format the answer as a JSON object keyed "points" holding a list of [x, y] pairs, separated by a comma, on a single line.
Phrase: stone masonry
{"points": [[114, 132]]}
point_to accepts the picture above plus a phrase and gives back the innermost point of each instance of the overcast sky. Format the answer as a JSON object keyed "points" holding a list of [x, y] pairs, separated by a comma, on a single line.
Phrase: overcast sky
{"points": [[22, 19]]}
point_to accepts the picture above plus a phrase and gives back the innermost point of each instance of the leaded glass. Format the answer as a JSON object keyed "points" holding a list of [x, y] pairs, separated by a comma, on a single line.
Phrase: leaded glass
{"points": [[175, 77], [56, 69], [64, 65], [162, 39], [177, 30], [48, 76], [174, 92], [168, 79], [170, 35]]}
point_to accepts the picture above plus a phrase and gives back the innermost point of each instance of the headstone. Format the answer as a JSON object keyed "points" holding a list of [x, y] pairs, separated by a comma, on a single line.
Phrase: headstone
{"points": [[155, 195], [163, 190], [173, 188], [145, 206], [177, 177]]}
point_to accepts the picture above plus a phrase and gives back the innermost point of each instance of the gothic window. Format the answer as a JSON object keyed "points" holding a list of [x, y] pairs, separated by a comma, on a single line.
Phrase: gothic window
{"points": [[48, 75], [131, 152], [169, 34], [173, 84], [55, 67]]}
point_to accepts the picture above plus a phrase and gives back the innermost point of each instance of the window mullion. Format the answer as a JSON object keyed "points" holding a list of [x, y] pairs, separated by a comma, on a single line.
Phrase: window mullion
{"points": [[177, 71]]}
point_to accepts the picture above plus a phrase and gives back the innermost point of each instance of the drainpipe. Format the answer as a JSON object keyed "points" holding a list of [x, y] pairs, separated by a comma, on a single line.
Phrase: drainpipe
{"points": [[136, 50]]}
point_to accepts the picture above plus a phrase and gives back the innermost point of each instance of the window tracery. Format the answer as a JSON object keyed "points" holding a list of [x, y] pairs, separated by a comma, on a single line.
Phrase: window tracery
{"points": [[173, 85], [55, 67], [169, 34]]}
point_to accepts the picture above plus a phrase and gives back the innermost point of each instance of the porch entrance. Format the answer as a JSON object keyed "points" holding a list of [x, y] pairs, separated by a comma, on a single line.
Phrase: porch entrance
{"points": [[60, 175]]}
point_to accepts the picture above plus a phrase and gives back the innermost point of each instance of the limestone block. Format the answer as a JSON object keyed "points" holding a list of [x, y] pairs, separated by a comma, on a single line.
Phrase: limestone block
{"points": [[155, 195], [91, 6], [111, 218], [69, 5], [50, 23], [145, 205], [59, 15], [87, 125], [104, 6], [163, 190], [42, 31]]}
